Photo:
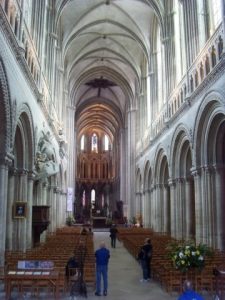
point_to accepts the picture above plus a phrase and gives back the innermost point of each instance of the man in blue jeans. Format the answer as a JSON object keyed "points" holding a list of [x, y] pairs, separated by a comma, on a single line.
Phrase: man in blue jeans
{"points": [[189, 293], [102, 256]]}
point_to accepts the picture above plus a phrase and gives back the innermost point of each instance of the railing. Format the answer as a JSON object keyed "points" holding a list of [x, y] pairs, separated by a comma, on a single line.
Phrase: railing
{"points": [[204, 64], [27, 55]]}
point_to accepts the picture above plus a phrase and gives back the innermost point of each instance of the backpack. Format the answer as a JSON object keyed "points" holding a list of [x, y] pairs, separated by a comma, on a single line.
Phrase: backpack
{"points": [[72, 263], [148, 254]]}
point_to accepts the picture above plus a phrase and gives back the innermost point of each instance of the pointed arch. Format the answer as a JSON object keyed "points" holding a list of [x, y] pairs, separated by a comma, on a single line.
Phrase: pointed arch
{"points": [[5, 112]]}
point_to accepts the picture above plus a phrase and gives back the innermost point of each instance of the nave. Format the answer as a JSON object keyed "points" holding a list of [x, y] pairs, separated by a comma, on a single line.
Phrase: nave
{"points": [[123, 277]]}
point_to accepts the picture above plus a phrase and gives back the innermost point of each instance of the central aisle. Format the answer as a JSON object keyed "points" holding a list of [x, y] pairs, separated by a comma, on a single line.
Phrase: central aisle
{"points": [[124, 275]]}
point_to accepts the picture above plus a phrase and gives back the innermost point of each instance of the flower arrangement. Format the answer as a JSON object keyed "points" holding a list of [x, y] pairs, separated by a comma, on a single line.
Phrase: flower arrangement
{"points": [[188, 255], [70, 220]]}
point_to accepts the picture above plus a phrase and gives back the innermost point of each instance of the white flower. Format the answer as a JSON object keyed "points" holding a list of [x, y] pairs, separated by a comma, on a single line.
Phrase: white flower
{"points": [[193, 253], [181, 254], [201, 257]]}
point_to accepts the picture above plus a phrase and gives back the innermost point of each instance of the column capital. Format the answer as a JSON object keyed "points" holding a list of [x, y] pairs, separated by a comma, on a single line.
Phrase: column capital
{"points": [[159, 185], [218, 167], [12, 171], [180, 180], [208, 169], [171, 182], [45, 184], [63, 192], [32, 175], [195, 172], [22, 172], [71, 107], [6, 159], [56, 190], [131, 110]]}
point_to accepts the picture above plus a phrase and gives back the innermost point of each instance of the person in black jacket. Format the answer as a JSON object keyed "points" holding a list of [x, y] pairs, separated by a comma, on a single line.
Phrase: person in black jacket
{"points": [[113, 233], [145, 256]]}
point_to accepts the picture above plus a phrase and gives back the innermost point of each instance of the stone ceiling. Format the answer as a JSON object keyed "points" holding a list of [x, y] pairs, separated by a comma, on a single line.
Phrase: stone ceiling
{"points": [[105, 41]]}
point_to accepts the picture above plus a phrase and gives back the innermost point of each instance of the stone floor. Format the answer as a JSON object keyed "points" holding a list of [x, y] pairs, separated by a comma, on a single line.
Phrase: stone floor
{"points": [[124, 276]]}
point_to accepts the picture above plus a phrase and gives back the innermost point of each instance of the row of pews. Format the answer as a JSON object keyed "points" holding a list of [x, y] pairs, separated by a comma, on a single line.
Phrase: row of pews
{"points": [[58, 248], [162, 268]]}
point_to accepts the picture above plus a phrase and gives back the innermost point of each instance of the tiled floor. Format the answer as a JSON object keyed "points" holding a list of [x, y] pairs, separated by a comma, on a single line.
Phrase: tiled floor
{"points": [[124, 275]]}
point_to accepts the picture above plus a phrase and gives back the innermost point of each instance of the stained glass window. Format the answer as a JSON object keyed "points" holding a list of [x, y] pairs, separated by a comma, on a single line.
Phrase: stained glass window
{"points": [[94, 143]]}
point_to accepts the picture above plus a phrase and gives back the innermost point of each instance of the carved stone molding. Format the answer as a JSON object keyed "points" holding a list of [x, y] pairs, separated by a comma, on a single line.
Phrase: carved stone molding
{"points": [[6, 160], [196, 172], [5, 113], [171, 182]]}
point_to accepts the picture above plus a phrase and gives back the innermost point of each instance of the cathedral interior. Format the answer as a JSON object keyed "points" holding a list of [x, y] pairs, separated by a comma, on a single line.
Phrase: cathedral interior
{"points": [[112, 110]]}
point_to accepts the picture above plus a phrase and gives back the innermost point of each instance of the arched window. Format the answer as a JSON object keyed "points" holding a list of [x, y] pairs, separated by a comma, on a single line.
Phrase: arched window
{"points": [[179, 41], [159, 69], [215, 10], [93, 197], [106, 140], [82, 143], [83, 198], [28, 12], [217, 13], [94, 143]]}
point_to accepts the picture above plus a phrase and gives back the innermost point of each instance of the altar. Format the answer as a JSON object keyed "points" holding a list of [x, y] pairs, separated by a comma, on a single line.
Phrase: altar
{"points": [[99, 222]]}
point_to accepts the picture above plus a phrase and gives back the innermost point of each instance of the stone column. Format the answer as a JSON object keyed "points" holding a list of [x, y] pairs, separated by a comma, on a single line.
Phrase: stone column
{"points": [[21, 223], [44, 192], [51, 204], [148, 209], [223, 16], [4, 163], [63, 205], [145, 208], [136, 205], [107, 189], [10, 201], [173, 207], [191, 29], [154, 226], [202, 23], [166, 208], [31, 177], [157, 207], [58, 207], [130, 162], [198, 204], [151, 192], [71, 137], [123, 171], [54, 192], [180, 207], [141, 206], [208, 211], [188, 209], [220, 207], [44, 201]]}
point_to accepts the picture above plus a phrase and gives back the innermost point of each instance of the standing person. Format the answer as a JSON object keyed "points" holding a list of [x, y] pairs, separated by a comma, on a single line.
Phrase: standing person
{"points": [[113, 233], [102, 256], [189, 293], [145, 256]]}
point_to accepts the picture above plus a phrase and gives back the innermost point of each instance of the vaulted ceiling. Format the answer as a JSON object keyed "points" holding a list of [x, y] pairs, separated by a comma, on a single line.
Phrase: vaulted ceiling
{"points": [[104, 44]]}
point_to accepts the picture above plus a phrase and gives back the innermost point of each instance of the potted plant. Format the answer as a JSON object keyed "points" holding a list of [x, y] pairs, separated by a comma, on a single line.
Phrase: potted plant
{"points": [[70, 220], [108, 221], [188, 255], [133, 221]]}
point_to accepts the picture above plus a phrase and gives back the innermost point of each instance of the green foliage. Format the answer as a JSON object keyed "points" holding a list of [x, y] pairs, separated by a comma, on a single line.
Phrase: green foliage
{"points": [[133, 220], [70, 220], [108, 221], [188, 255]]}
